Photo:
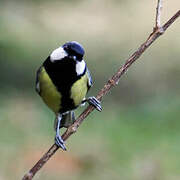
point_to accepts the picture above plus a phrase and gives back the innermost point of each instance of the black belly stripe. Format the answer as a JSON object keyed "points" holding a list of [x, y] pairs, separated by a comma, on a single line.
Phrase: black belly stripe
{"points": [[63, 75]]}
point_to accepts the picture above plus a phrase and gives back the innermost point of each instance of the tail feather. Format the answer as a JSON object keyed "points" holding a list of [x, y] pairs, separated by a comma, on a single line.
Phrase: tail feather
{"points": [[67, 119]]}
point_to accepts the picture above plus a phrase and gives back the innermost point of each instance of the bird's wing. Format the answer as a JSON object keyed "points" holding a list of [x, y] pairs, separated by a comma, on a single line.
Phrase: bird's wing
{"points": [[38, 90], [89, 83]]}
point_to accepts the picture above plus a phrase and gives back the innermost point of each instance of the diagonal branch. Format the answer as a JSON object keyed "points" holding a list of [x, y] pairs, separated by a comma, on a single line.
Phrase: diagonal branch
{"points": [[113, 81]]}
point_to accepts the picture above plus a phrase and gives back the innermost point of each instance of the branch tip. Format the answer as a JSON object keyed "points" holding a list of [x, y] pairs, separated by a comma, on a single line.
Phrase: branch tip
{"points": [[158, 14]]}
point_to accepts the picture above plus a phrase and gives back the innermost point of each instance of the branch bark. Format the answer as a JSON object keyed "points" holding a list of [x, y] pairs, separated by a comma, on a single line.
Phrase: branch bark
{"points": [[113, 81]]}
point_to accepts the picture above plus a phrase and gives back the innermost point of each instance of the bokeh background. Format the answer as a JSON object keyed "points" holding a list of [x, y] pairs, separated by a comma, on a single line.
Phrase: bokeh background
{"points": [[137, 135]]}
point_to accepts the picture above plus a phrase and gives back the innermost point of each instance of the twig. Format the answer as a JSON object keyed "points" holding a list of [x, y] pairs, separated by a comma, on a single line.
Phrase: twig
{"points": [[158, 14], [111, 83]]}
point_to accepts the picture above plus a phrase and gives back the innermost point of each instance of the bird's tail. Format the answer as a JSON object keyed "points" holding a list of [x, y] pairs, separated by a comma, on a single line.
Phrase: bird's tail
{"points": [[67, 119]]}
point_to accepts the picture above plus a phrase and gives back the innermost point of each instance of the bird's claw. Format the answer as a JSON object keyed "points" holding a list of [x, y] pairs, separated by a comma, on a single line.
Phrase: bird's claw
{"points": [[59, 142], [94, 102]]}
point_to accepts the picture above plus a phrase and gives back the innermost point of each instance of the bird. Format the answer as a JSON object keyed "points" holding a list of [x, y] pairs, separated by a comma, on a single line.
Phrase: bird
{"points": [[62, 81]]}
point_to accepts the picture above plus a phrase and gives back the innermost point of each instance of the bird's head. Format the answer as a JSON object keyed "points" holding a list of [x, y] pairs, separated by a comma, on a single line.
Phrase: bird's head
{"points": [[72, 50]]}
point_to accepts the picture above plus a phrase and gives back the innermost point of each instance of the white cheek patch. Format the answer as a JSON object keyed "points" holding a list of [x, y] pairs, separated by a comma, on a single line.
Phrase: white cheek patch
{"points": [[80, 67], [58, 54]]}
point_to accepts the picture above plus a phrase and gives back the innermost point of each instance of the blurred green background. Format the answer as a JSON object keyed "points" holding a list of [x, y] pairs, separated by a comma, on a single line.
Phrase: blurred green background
{"points": [[137, 135]]}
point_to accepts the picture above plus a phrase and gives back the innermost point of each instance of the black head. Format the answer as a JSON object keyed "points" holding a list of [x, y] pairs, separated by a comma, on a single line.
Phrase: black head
{"points": [[74, 50]]}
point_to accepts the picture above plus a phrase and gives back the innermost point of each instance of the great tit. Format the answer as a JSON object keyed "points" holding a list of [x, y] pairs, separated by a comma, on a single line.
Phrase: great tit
{"points": [[63, 81]]}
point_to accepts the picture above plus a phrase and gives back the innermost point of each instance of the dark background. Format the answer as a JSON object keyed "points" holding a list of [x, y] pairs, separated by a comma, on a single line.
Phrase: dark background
{"points": [[137, 135]]}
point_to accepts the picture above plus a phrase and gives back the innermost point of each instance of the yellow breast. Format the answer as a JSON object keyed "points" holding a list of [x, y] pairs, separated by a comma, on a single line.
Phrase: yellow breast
{"points": [[79, 90], [48, 91]]}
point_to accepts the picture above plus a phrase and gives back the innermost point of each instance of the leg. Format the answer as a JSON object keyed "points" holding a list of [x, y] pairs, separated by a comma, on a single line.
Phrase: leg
{"points": [[94, 102], [58, 140]]}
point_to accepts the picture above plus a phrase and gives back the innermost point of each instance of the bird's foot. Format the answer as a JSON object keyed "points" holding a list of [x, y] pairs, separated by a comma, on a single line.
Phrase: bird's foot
{"points": [[94, 102], [58, 139], [59, 142]]}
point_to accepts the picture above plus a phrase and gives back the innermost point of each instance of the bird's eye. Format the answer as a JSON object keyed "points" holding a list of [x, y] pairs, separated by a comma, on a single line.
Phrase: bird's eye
{"points": [[65, 48], [74, 57]]}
